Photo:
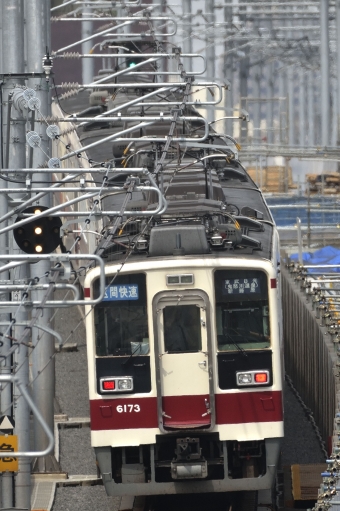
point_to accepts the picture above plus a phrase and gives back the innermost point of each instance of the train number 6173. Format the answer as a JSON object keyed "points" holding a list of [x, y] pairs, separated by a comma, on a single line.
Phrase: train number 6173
{"points": [[128, 408]]}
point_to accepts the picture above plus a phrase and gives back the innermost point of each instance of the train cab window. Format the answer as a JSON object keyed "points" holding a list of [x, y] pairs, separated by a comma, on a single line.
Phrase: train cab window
{"points": [[121, 322], [182, 328], [242, 310]]}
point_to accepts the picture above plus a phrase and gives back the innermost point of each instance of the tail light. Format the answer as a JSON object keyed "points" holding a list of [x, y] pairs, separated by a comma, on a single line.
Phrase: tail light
{"points": [[252, 378], [116, 384]]}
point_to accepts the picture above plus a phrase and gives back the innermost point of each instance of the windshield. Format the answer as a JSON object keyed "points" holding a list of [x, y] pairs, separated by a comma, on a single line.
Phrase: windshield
{"points": [[182, 328], [242, 310], [121, 322]]}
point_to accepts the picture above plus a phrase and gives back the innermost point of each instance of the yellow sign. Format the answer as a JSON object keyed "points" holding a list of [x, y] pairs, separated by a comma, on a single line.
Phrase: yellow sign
{"points": [[8, 445]]}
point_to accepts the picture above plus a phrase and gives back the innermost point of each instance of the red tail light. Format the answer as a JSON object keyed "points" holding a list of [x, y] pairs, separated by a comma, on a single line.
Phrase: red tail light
{"points": [[261, 377], [109, 385]]}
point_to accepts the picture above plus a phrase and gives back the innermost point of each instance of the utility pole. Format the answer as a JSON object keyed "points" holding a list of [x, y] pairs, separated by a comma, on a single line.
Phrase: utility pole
{"points": [[337, 18], [86, 31], [310, 107], [257, 71], [283, 106], [187, 30], [243, 83], [228, 71], [324, 66], [291, 109], [270, 104], [210, 49], [334, 95], [6, 407], [13, 62], [43, 365], [302, 117]]}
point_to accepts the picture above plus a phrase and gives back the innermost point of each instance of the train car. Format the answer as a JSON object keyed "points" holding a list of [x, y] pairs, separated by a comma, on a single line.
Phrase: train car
{"points": [[185, 348], [184, 351]]}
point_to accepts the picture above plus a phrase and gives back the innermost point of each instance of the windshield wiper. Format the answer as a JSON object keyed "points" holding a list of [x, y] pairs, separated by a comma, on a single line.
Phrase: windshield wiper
{"points": [[237, 346], [130, 357]]}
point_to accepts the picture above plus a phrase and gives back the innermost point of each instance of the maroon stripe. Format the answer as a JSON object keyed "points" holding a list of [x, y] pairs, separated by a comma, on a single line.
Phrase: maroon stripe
{"points": [[183, 411], [249, 407], [123, 413]]}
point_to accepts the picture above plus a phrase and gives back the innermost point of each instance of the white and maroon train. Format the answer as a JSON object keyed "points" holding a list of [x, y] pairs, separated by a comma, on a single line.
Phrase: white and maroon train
{"points": [[185, 350]]}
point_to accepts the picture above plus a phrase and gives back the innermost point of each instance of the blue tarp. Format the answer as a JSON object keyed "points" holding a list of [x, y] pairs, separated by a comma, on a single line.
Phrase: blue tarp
{"points": [[326, 255], [285, 216]]}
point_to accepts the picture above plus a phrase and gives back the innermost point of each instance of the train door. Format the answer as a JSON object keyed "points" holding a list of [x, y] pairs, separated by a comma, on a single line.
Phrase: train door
{"points": [[183, 360]]}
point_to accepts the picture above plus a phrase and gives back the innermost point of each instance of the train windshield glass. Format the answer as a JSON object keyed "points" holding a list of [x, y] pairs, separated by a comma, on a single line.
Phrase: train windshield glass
{"points": [[121, 322], [182, 328], [242, 310]]}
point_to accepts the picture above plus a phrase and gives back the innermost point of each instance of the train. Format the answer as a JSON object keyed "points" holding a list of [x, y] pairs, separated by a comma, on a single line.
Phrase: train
{"points": [[184, 348]]}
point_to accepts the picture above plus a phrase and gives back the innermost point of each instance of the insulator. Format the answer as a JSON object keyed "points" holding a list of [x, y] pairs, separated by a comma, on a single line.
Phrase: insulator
{"points": [[50, 119], [69, 85], [71, 55], [69, 94], [43, 165], [67, 131], [52, 131], [19, 100], [106, 26], [33, 139], [34, 103], [29, 93], [54, 163]]}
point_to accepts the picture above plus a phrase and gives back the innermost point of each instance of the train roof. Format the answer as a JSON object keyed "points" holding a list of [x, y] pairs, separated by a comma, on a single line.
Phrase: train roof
{"points": [[214, 207]]}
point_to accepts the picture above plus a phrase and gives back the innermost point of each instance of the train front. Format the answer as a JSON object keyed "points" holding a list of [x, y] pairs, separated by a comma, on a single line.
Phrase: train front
{"points": [[184, 358]]}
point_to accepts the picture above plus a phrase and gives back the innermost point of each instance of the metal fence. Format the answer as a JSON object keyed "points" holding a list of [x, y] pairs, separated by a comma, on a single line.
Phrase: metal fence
{"points": [[311, 326]]}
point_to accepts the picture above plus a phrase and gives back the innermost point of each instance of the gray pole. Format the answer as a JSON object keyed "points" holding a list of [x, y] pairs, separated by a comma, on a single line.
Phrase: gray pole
{"points": [[6, 481], [13, 62], [257, 104], [283, 107], [229, 73], [270, 74], [270, 104], [37, 22], [325, 85], [86, 31], [6, 408], [4, 401], [187, 31], [310, 107], [302, 117], [334, 136], [337, 7], [210, 49], [291, 116], [244, 73], [243, 84]]}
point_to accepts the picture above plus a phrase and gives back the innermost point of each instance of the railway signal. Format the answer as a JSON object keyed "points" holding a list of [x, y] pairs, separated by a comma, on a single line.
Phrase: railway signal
{"points": [[41, 235]]}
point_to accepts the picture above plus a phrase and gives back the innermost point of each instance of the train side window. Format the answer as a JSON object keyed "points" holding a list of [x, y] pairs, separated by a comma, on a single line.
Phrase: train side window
{"points": [[121, 320], [242, 310], [182, 328]]}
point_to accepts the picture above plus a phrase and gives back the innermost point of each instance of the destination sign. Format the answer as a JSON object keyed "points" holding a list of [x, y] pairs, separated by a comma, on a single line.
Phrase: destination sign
{"points": [[121, 292], [241, 286]]}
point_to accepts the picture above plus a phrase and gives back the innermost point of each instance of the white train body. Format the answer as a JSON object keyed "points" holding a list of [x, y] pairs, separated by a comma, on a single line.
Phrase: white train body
{"points": [[192, 399]]}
